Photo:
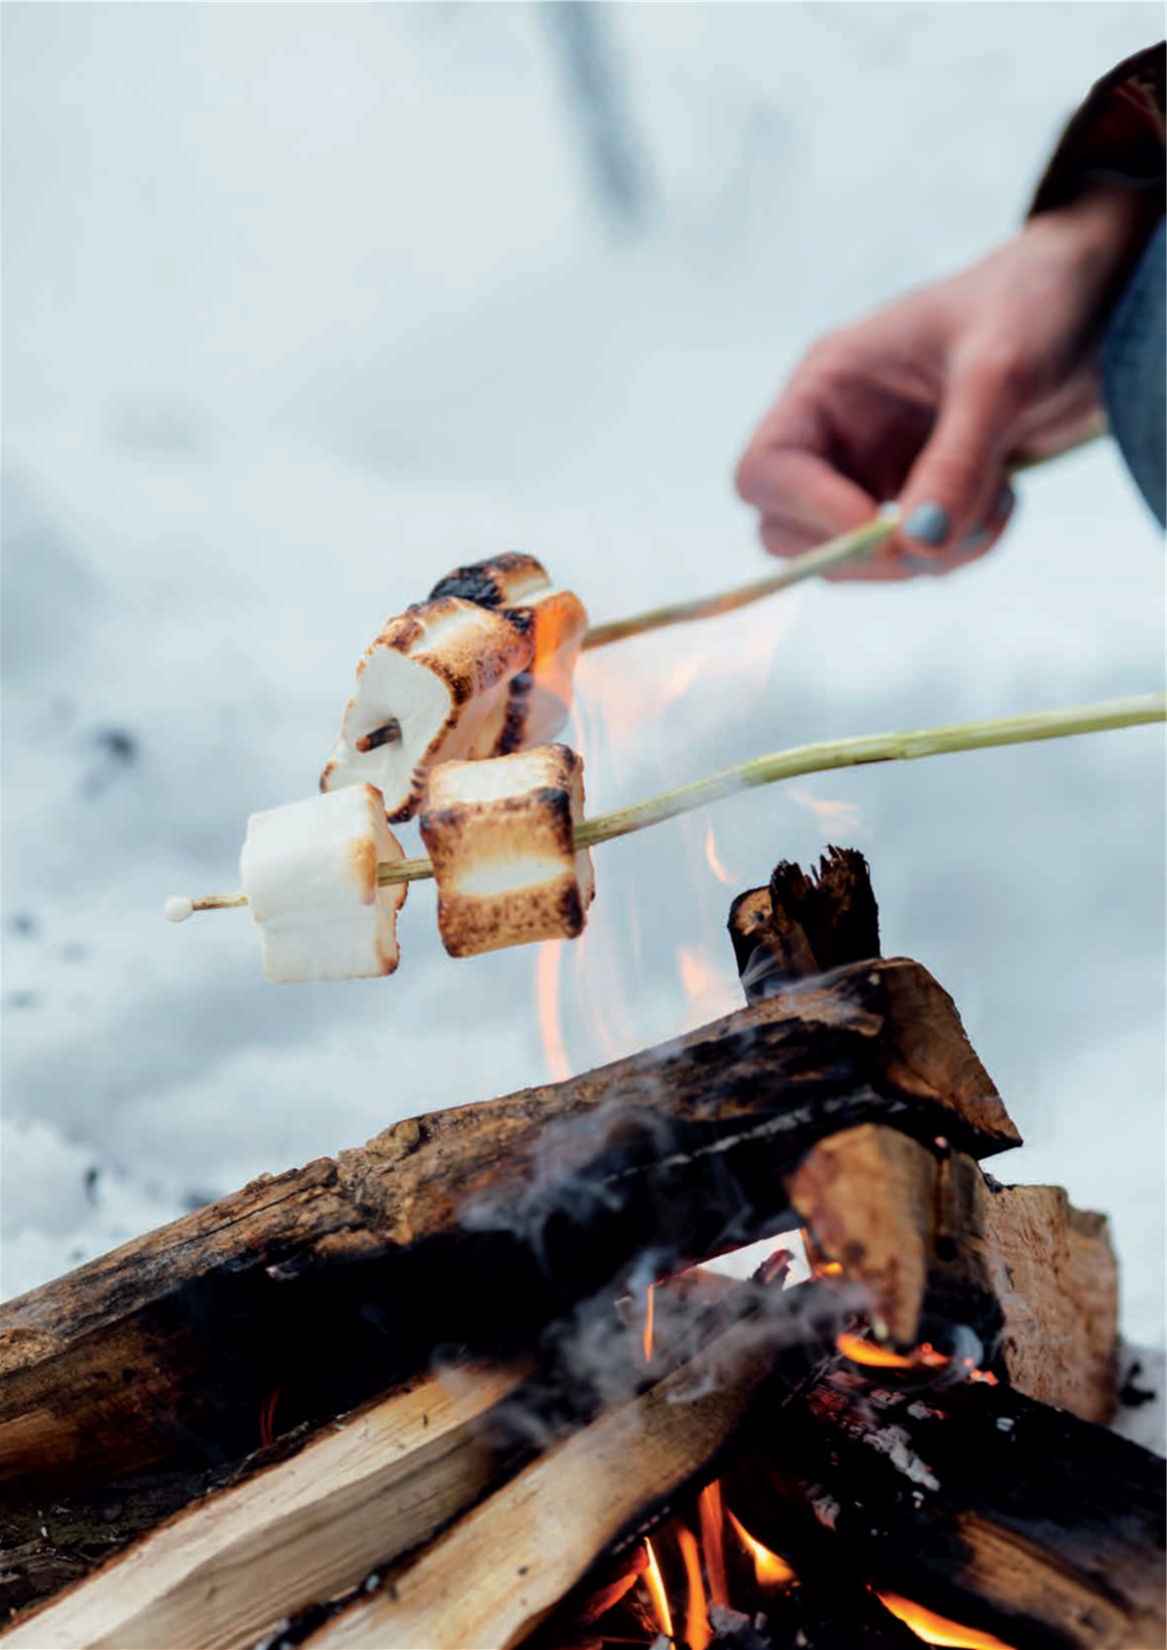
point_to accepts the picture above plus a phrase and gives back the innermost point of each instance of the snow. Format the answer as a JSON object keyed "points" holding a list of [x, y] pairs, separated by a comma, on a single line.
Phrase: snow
{"points": [[308, 305]]}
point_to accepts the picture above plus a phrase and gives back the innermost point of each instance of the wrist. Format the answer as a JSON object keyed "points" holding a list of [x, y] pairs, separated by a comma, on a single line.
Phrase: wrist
{"points": [[1106, 225]]}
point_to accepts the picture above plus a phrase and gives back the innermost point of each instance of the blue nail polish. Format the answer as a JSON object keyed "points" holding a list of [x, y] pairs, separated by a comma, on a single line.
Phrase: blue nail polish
{"points": [[928, 524], [972, 542], [1004, 501], [923, 564]]}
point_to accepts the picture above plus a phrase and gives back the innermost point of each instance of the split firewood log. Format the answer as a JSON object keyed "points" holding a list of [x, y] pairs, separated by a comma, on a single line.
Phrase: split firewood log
{"points": [[992, 1509], [474, 1226], [230, 1565], [938, 1242], [488, 1582]]}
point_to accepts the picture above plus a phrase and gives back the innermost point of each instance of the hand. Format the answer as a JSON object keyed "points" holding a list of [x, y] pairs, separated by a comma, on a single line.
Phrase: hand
{"points": [[931, 400]]}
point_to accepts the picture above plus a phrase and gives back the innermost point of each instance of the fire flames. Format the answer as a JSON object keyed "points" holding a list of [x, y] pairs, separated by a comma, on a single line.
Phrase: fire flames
{"points": [[769, 1569], [712, 859], [656, 1592], [934, 1629]]}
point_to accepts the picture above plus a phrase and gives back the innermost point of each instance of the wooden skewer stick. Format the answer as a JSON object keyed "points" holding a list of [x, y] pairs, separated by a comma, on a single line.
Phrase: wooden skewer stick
{"points": [[905, 746], [837, 552]]}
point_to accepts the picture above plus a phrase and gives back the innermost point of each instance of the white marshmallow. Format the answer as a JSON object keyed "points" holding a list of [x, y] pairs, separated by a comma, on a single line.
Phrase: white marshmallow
{"points": [[309, 871], [438, 679], [500, 833], [178, 908]]}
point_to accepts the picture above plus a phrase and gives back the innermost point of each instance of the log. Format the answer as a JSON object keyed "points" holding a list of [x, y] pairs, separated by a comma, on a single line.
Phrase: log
{"points": [[801, 925], [983, 1505], [472, 1227], [225, 1570], [497, 1574], [937, 1242]]}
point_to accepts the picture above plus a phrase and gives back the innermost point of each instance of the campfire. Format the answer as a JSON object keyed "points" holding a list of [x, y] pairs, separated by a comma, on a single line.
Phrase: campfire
{"points": [[489, 1380]]}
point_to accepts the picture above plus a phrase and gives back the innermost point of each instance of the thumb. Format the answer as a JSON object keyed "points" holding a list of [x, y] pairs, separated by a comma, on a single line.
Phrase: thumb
{"points": [[952, 485]]}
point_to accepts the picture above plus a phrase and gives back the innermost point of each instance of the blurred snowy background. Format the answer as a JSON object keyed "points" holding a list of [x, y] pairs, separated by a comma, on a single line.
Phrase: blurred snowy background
{"points": [[304, 305]]}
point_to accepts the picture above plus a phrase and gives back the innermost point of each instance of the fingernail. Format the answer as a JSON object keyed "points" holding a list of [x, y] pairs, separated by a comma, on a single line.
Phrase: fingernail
{"points": [[1004, 501], [927, 524], [974, 541], [922, 564]]}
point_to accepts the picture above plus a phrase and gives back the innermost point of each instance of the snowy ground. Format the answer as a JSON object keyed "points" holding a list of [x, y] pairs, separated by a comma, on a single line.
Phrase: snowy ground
{"points": [[306, 304]]}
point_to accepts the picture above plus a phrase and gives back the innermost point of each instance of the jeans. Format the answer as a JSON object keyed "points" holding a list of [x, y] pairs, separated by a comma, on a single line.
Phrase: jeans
{"points": [[1134, 361]]}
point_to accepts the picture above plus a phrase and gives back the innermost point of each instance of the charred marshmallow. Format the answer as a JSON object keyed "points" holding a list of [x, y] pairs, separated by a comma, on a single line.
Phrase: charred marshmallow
{"points": [[556, 621], [432, 687], [500, 834], [309, 871]]}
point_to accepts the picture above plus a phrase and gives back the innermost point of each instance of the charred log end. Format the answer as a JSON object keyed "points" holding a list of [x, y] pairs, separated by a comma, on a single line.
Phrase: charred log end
{"points": [[805, 924]]}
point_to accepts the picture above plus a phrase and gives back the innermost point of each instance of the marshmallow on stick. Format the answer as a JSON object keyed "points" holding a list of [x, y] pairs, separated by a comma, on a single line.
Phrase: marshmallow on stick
{"points": [[500, 834], [556, 621], [309, 871], [431, 687]]}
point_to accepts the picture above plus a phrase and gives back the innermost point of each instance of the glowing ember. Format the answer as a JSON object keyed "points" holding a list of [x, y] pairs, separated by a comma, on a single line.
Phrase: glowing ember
{"points": [[656, 1592], [934, 1629], [648, 1315], [712, 1520], [713, 862], [697, 1634], [770, 1570], [547, 994], [268, 1416], [829, 1269]]}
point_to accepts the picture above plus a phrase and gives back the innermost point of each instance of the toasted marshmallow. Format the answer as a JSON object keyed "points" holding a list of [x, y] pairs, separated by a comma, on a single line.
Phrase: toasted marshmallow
{"points": [[499, 581], [539, 700], [309, 871], [432, 687], [540, 697], [500, 834]]}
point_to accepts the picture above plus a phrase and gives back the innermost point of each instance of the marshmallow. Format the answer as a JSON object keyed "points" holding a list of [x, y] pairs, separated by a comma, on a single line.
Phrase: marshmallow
{"points": [[433, 686], [500, 834], [555, 620], [309, 871], [500, 581], [540, 698]]}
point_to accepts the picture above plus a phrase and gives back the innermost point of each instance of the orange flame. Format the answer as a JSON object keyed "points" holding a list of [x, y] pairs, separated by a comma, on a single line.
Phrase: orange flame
{"points": [[925, 1356], [831, 816], [656, 1592], [934, 1629], [712, 1519], [547, 994], [713, 862], [697, 1633], [770, 1570], [648, 1315], [867, 1352]]}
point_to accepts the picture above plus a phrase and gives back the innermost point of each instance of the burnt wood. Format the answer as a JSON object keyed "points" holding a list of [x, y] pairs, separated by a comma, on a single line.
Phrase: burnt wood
{"points": [[990, 1508], [468, 1229], [938, 1243], [496, 1575], [803, 923]]}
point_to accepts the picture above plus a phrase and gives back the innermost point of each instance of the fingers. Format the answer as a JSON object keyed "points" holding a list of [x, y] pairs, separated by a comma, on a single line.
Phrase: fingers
{"points": [[951, 493], [801, 498], [964, 552]]}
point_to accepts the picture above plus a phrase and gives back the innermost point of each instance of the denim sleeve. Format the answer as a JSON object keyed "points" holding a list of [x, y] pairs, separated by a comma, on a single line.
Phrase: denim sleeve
{"points": [[1133, 355]]}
